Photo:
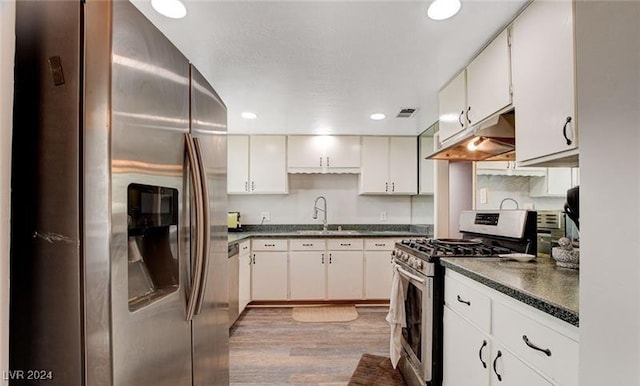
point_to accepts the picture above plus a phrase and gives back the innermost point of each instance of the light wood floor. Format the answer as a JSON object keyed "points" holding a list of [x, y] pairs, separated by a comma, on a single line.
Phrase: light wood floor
{"points": [[268, 347]]}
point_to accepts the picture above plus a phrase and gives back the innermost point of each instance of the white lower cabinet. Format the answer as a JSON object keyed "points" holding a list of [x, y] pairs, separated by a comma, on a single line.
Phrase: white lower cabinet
{"points": [[345, 269], [491, 339], [244, 279], [508, 370], [307, 272], [317, 269], [472, 358], [269, 269], [378, 270], [467, 352]]}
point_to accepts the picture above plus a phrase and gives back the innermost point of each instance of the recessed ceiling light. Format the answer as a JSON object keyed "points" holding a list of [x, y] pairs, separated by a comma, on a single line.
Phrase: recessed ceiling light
{"points": [[174, 9], [377, 116], [249, 115], [443, 9]]}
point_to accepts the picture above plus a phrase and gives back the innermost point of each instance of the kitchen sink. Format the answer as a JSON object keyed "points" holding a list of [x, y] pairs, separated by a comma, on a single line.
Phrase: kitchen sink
{"points": [[321, 232]]}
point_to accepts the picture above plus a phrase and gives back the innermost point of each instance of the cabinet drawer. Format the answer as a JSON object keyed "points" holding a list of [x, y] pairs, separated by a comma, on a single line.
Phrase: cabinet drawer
{"points": [[345, 244], [510, 327], [306, 244], [269, 244], [468, 302], [245, 247], [379, 244]]}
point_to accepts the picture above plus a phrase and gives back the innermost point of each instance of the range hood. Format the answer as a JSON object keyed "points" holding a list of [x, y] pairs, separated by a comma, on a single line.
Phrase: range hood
{"points": [[494, 139]]}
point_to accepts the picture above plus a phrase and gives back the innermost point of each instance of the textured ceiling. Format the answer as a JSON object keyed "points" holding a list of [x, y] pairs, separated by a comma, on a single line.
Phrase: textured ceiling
{"points": [[322, 67]]}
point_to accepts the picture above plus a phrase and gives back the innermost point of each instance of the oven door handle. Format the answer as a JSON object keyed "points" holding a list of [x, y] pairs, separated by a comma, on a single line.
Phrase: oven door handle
{"points": [[409, 275]]}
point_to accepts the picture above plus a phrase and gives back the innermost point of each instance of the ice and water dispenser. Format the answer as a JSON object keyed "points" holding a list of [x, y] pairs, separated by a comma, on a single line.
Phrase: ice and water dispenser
{"points": [[152, 243]]}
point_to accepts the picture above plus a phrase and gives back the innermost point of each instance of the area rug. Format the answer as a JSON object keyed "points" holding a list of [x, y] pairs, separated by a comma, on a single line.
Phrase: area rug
{"points": [[320, 314], [375, 370]]}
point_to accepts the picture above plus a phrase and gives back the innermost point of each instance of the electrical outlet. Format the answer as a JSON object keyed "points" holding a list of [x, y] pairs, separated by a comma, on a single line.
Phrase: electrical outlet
{"points": [[265, 217], [483, 195], [383, 216]]}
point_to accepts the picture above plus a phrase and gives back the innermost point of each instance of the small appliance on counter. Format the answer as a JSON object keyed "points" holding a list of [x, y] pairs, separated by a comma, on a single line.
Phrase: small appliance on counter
{"points": [[550, 227], [233, 222], [572, 206]]}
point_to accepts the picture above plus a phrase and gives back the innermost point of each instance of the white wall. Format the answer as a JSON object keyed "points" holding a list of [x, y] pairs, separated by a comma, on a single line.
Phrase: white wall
{"points": [[7, 41], [344, 205], [422, 210], [608, 86]]}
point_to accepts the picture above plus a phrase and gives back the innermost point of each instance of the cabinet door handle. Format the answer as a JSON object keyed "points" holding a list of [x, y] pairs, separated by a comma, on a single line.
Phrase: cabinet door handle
{"points": [[386, 186], [254, 258], [484, 344], [323, 258], [320, 161], [533, 346], [328, 162], [460, 118], [564, 131], [246, 186], [379, 245], [345, 244], [468, 109], [329, 258], [250, 259], [467, 302], [307, 245], [495, 361], [393, 186], [253, 185], [269, 245]]}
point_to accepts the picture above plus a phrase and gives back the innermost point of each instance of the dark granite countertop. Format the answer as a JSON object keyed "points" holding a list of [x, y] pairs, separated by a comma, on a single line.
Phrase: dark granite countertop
{"points": [[348, 231], [540, 283]]}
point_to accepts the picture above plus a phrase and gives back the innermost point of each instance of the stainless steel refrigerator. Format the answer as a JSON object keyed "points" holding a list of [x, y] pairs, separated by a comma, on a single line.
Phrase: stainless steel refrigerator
{"points": [[118, 229]]}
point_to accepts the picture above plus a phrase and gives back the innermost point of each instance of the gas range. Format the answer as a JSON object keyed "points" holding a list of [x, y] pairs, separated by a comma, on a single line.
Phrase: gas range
{"points": [[485, 234]]}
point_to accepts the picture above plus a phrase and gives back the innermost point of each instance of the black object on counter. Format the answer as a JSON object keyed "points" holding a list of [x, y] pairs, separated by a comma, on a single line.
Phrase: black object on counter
{"points": [[572, 206]]}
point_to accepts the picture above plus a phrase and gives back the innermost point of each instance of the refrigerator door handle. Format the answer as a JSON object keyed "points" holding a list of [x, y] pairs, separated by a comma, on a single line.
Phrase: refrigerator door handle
{"points": [[196, 275], [206, 225]]}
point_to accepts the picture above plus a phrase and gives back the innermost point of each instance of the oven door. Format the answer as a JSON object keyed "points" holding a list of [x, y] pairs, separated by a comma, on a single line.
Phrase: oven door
{"points": [[417, 338]]}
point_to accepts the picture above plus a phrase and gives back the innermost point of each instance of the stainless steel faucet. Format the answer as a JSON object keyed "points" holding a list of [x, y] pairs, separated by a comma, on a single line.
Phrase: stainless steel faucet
{"points": [[323, 210]]}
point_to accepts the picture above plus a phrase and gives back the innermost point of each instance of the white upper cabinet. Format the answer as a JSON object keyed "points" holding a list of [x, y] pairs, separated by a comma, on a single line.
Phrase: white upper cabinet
{"points": [[489, 80], [403, 165], [452, 105], [507, 168], [479, 91], [544, 83], [555, 182], [389, 165], [238, 163], [323, 154], [256, 164]]}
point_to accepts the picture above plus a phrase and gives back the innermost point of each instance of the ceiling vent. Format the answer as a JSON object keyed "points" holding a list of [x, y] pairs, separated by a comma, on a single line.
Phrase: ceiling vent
{"points": [[406, 113]]}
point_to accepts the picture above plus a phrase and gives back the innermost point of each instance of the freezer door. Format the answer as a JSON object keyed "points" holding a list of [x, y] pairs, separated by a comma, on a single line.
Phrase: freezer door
{"points": [[210, 324], [151, 204]]}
